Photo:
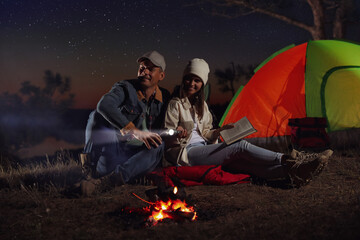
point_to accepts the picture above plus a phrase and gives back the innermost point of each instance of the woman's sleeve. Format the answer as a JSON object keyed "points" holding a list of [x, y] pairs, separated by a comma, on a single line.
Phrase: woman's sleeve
{"points": [[208, 125], [172, 115]]}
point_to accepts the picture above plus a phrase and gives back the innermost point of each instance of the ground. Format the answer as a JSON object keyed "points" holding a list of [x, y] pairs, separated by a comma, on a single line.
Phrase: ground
{"points": [[327, 208]]}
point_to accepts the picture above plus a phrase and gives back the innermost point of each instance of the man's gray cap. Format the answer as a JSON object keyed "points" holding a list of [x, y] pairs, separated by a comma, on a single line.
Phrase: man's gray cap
{"points": [[156, 58]]}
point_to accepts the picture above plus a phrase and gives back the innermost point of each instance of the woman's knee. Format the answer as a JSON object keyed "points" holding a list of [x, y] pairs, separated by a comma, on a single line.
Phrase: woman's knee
{"points": [[240, 146]]}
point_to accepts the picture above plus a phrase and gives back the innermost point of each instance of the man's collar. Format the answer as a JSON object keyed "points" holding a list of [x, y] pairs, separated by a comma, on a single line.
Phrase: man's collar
{"points": [[157, 94]]}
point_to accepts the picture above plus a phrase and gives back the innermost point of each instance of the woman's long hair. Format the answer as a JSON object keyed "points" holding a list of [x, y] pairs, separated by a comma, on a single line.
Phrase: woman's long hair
{"points": [[199, 99]]}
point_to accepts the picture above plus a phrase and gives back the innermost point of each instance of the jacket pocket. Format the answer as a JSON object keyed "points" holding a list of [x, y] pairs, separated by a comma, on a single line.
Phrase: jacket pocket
{"points": [[130, 112]]}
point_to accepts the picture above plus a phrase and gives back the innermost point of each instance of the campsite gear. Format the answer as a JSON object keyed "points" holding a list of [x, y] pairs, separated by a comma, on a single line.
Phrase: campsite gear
{"points": [[315, 79], [196, 175], [309, 133]]}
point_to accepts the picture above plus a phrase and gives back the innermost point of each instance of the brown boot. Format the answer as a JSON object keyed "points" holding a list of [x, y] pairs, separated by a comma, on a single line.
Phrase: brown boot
{"points": [[303, 155], [113, 180], [303, 167], [89, 186], [88, 166], [116, 179]]}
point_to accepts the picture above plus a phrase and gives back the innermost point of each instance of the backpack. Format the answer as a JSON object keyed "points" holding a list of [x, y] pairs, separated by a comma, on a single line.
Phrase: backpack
{"points": [[309, 133]]}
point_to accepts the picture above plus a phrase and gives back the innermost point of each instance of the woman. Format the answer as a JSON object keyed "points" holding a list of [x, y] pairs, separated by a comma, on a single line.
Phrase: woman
{"points": [[196, 144]]}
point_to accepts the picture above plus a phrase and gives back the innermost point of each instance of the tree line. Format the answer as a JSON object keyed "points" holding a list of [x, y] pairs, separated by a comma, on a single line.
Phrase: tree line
{"points": [[33, 113]]}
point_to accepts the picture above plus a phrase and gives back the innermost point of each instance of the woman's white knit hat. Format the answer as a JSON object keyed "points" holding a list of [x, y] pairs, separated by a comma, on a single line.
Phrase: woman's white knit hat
{"points": [[198, 67]]}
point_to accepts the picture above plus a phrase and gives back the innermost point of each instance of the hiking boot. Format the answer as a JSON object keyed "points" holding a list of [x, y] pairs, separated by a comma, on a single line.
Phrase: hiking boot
{"points": [[91, 185], [88, 166], [297, 155], [297, 158], [302, 173], [113, 179], [88, 186], [327, 153], [303, 167], [141, 180]]}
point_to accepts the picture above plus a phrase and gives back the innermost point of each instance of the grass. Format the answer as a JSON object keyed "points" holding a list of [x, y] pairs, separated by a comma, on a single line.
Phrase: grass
{"points": [[61, 171], [33, 207]]}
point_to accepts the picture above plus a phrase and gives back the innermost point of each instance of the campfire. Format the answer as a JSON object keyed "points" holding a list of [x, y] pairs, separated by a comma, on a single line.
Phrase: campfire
{"points": [[164, 205], [174, 208]]}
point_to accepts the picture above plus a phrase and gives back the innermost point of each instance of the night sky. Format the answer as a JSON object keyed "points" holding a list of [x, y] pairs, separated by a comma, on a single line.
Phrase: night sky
{"points": [[96, 43]]}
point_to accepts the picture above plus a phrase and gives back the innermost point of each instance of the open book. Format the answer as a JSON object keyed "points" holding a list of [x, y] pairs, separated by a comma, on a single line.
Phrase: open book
{"points": [[242, 128]]}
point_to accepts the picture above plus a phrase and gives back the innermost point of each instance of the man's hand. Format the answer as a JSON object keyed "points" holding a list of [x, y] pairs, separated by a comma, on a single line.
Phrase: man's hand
{"points": [[148, 138]]}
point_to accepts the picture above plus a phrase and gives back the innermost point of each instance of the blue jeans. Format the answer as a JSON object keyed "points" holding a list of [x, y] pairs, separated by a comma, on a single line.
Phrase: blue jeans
{"points": [[131, 160], [109, 154], [240, 156]]}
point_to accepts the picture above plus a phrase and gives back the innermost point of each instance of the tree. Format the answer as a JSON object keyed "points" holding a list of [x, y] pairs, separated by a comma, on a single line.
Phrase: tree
{"points": [[233, 74], [334, 15], [55, 95], [33, 113]]}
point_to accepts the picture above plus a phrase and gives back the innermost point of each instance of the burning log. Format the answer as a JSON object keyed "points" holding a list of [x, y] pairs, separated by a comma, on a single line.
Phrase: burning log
{"points": [[167, 206], [176, 210]]}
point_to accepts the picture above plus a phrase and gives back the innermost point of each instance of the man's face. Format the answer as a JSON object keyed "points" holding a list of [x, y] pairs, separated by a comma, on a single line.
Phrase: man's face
{"points": [[149, 74]]}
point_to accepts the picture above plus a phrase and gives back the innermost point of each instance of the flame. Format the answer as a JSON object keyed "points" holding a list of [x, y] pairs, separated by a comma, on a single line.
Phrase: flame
{"points": [[158, 216], [160, 208]]}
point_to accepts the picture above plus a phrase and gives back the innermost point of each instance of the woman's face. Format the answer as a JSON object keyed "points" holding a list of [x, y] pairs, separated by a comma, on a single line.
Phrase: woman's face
{"points": [[192, 85]]}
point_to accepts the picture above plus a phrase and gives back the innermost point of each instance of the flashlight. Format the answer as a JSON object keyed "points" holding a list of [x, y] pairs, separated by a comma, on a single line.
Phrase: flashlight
{"points": [[169, 132]]}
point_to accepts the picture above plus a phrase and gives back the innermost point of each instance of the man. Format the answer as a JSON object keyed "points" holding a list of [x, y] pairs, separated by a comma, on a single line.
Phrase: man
{"points": [[121, 134]]}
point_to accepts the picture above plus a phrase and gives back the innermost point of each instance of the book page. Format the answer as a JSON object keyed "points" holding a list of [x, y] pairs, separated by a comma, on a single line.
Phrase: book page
{"points": [[242, 128]]}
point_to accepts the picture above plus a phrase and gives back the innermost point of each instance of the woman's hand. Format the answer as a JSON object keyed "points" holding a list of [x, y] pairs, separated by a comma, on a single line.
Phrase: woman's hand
{"points": [[227, 126], [183, 132]]}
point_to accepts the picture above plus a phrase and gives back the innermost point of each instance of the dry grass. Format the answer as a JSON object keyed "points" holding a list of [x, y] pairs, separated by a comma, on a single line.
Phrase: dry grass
{"points": [[59, 172], [327, 208]]}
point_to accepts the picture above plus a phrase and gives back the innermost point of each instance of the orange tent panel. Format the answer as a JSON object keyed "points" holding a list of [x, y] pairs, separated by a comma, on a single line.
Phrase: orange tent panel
{"points": [[278, 96]]}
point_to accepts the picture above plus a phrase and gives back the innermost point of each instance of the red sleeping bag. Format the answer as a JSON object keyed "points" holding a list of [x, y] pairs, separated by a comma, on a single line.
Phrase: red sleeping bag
{"points": [[197, 175]]}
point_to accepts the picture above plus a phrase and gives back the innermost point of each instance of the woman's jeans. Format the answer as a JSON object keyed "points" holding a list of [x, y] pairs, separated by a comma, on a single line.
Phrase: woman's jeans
{"points": [[240, 156]]}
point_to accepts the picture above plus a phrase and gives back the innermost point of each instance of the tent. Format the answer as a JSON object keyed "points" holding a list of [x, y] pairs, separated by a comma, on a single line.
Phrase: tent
{"points": [[315, 79]]}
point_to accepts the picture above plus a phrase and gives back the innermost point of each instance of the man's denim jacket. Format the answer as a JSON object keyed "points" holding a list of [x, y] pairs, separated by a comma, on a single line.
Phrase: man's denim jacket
{"points": [[123, 108]]}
